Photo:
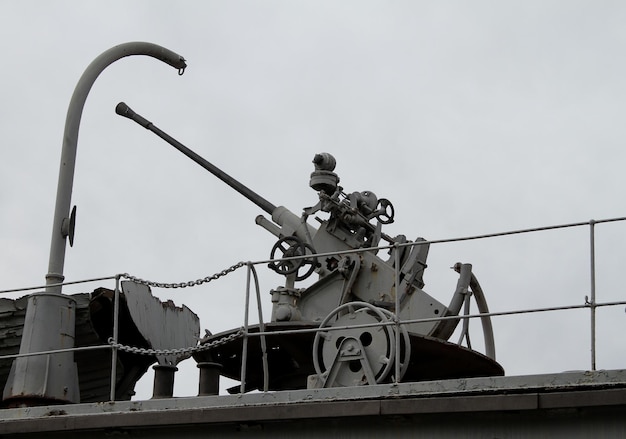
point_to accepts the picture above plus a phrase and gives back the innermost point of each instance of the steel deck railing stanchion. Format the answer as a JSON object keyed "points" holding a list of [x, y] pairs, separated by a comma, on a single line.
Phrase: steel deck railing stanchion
{"points": [[397, 314], [116, 325], [244, 351], [592, 301]]}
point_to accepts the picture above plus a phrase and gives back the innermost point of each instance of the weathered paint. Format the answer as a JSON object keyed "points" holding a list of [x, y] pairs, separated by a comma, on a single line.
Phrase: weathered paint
{"points": [[582, 404], [164, 325]]}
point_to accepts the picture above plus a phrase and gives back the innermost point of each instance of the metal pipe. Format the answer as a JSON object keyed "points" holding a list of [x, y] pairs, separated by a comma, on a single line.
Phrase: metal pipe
{"points": [[209, 378], [70, 143], [434, 319], [31, 375], [465, 326], [163, 386], [592, 302], [116, 325], [57, 351], [446, 328], [485, 319], [124, 110], [39, 287], [396, 316], [266, 372], [244, 350]]}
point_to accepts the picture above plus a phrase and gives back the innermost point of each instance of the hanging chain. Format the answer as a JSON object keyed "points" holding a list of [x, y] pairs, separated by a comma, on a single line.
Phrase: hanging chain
{"points": [[192, 283], [181, 351], [176, 352]]}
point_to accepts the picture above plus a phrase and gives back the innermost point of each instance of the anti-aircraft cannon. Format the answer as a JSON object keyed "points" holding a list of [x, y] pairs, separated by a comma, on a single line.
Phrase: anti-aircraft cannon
{"points": [[363, 311]]}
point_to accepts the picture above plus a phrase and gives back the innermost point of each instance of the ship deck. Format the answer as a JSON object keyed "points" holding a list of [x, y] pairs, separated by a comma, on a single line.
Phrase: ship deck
{"points": [[571, 404]]}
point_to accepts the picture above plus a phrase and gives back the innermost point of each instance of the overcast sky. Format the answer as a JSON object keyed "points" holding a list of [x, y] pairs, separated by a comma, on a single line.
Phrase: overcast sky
{"points": [[471, 117]]}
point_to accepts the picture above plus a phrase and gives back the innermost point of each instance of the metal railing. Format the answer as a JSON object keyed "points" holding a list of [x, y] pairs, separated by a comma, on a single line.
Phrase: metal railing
{"points": [[590, 302]]}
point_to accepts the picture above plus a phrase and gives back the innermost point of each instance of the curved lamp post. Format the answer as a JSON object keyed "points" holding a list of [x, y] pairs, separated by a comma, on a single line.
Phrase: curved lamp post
{"points": [[63, 222], [50, 317]]}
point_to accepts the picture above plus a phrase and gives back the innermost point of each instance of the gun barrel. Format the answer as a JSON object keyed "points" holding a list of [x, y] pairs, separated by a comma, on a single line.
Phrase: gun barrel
{"points": [[124, 110]]}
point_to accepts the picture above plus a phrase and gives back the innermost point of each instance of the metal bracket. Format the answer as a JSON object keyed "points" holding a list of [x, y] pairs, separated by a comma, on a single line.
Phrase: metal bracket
{"points": [[351, 355], [68, 226]]}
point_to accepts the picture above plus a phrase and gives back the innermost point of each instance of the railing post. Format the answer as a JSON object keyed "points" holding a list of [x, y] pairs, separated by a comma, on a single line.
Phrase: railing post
{"points": [[244, 352], [397, 313], [592, 301], [116, 324], [263, 341]]}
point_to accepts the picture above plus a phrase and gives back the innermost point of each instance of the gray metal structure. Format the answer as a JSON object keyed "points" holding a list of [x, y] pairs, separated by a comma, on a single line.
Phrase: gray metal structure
{"points": [[360, 351], [50, 319], [355, 287]]}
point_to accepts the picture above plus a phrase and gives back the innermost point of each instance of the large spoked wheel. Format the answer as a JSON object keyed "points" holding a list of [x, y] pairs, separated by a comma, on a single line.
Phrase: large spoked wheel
{"points": [[292, 246], [377, 341]]}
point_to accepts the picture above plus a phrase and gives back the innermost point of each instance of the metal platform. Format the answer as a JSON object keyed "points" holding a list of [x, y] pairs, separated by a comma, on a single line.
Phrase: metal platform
{"points": [[289, 358]]}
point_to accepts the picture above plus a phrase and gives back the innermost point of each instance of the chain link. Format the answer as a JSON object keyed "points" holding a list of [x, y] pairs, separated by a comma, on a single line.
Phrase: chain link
{"points": [[181, 351], [177, 352], [192, 283]]}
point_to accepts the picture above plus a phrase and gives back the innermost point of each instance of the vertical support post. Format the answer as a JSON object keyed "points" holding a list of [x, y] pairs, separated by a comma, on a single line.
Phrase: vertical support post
{"points": [[60, 228], [163, 386], [209, 381], [116, 325], [592, 301], [266, 372], [32, 382], [397, 313], [244, 353]]}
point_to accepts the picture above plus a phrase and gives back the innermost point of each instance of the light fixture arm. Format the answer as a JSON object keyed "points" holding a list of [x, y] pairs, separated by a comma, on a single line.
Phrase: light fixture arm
{"points": [[60, 229], [50, 320]]}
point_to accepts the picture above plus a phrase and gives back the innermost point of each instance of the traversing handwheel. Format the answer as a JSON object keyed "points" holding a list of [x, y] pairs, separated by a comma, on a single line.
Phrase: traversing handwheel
{"points": [[288, 247]]}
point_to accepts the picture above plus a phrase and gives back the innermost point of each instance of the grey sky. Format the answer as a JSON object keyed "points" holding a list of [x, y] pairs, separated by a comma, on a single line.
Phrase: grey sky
{"points": [[471, 117]]}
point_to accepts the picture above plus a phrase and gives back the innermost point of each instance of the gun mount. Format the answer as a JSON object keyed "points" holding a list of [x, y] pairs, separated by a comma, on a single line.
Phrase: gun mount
{"points": [[356, 301]]}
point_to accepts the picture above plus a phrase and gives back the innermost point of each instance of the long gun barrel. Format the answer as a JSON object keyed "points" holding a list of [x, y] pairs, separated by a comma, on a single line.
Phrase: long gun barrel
{"points": [[124, 110]]}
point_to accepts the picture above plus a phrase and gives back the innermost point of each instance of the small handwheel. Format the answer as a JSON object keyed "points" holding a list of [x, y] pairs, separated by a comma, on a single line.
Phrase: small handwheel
{"points": [[385, 211], [378, 343], [292, 246]]}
